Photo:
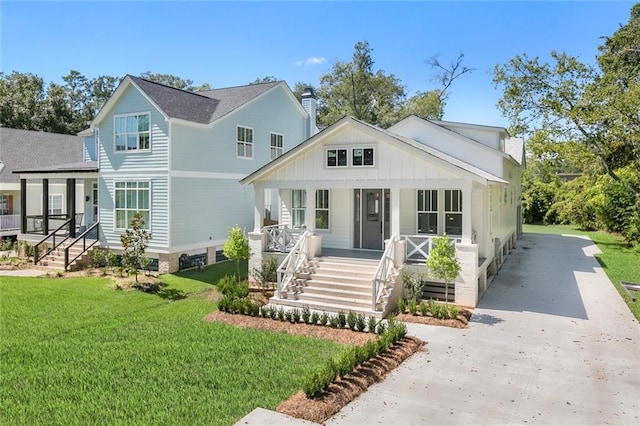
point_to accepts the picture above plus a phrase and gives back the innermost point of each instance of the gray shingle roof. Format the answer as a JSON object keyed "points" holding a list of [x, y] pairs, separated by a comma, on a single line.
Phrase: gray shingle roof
{"points": [[27, 149], [202, 107]]}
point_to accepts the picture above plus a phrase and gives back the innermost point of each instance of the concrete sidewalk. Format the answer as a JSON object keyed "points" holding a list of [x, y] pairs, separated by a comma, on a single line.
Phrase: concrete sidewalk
{"points": [[23, 273], [551, 342]]}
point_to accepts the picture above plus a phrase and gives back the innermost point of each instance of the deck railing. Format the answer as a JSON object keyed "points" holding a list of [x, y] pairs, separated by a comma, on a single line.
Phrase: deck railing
{"points": [[87, 240], [419, 246], [9, 222], [281, 238], [292, 263], [383, 272]]}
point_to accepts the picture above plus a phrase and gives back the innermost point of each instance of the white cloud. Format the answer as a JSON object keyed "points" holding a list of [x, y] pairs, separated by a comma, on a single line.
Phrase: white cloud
{"points": [[311, 60]]}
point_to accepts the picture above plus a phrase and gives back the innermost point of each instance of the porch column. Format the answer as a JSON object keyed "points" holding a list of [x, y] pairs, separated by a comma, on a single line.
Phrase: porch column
{"points": [[45, 206], [310, 214], [258, 213], [467, 227], [395, 211], [23, 206], [71, 206]]}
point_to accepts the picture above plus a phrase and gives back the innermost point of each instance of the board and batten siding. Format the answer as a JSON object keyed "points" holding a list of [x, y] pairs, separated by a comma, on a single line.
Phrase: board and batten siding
{"points": [[204, 209], [394, 166], [158, 204], [132, 101], [203, 149], [340, 232]]}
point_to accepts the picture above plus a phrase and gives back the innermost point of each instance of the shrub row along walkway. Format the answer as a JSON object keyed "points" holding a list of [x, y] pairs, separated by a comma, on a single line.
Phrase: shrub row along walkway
{"points": [[551, 342]]}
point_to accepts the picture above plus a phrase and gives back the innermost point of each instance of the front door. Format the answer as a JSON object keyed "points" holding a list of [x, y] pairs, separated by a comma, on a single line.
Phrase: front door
{"points": [[371, 218]]}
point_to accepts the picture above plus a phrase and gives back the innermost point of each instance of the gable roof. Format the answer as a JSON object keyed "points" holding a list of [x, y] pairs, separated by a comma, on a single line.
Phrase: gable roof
{"points": [[28, 149], [429, 151], [202, 107]]}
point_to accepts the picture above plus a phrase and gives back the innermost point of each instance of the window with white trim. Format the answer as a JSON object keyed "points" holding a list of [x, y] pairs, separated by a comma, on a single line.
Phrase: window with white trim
{"points": [[427, 211], [298, 208], [277, 145], [362, 157], [453, 212], [132, 132], [337, 158], [132, 197], [244, 142], [322, 209], [56, 202]]}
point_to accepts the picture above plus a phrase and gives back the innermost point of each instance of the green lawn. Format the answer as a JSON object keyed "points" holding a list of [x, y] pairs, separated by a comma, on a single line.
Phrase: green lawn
{"points": [[621, 263], [76, 351]]}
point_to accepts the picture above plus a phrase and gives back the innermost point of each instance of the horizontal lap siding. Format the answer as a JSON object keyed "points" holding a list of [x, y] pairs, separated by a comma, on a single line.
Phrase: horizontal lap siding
{"points": [[157, 158], [159, 211], [204, 209]]}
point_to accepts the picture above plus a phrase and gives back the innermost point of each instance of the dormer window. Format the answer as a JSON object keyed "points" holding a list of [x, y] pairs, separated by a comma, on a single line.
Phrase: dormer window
{"points": [[336, 158], [354, 157], [132, 132], [362, 156]]}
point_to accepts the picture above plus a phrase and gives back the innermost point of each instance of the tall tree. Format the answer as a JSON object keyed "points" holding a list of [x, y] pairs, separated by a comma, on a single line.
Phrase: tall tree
{"points": [[354, 88], [174, 81], [572, 101], [21, 100]]}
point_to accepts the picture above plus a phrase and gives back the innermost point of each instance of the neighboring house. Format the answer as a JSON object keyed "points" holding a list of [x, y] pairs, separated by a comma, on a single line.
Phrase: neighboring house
{"points": [[176, 158], [358, 189], [29, 150]]}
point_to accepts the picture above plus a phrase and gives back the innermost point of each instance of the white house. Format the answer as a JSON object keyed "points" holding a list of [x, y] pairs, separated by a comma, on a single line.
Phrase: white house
{"points": [[357, 190], [176, 158]]}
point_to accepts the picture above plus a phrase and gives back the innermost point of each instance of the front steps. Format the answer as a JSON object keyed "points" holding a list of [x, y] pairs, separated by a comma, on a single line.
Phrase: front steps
{"points": [[55, 260], [333, 284]]}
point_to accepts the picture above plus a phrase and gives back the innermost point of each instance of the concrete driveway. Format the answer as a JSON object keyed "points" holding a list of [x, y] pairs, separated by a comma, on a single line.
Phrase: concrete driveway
{"points": [[551, 342]]}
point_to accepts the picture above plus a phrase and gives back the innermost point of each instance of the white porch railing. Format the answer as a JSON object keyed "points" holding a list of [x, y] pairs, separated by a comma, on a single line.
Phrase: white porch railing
{"points": [[383, 272], [9, 221], [291, 264], [281, 238], [419, 246]]}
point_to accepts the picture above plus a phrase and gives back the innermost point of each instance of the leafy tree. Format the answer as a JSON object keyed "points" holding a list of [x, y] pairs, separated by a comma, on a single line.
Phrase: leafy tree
{"points": [[442, 262], [134, 242], [353, 88], [174, 81], [267, 79], [21, 100], [236, 247], [427, 105]]}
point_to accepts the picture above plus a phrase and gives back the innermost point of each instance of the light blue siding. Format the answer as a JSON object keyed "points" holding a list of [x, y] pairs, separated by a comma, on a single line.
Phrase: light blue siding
{"points": [[132, 101], [203, 210], [89, 149], [159, 210], [214, 150]]}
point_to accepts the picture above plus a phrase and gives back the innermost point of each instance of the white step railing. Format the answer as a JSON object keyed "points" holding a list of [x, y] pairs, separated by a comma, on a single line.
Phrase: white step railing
{"points": [[287, 270], [383, 272], [281, 238]]}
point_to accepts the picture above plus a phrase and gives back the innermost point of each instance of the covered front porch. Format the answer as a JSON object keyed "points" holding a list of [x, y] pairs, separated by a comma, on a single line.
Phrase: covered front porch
{"points": [[393, 227]]}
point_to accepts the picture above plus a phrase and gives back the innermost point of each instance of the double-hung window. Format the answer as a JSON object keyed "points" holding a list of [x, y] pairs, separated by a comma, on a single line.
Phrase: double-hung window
{"points": [[4, 204], [298, 208], [55, 203], [322, 209], [132, 132], [131, 197], [277, 144], [244, 142], [428, 211], [453, 212]]}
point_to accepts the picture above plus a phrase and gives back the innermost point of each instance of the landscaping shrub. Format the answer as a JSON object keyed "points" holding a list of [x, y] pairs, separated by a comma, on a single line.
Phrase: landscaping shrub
{"points": [[361, 324], [229, 286], [351, 320], [306, 315], [413, 307], [372, 323], [401, 306], [295, 315], [267, 274], [314, 318], [342, 320], [423, 308], [324, 318], [98, 258], [413, 285]]}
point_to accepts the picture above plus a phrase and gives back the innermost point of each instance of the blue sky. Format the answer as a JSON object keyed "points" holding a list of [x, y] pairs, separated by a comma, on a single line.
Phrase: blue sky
{"points": [[233, 43]]}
